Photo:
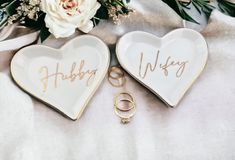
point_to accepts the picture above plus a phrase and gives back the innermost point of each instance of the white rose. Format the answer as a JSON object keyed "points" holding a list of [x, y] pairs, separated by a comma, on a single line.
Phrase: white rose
{"points": [[64, 16]]}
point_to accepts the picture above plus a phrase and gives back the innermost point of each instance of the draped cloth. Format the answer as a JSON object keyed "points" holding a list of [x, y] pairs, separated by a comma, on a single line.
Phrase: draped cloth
{"points": [[201, 127]]}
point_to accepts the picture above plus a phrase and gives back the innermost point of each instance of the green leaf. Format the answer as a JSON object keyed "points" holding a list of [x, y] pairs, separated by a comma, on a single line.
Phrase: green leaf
{"points": [[197, 7], [3, 18], [44, 33], [11, 8], [36, 25], [5, 1], [179, 9], [204, 5], [227, 7], [102, 13]]}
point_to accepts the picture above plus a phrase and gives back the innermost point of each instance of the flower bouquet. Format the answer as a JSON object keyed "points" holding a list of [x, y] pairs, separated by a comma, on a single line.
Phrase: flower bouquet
{"points": [[62, 17]]}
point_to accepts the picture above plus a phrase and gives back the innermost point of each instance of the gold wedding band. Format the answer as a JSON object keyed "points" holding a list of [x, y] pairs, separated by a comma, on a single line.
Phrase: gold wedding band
{"points": [[123, 96], [124, 103], [116, 76], [124, 113], [117, 71], [123, 107]]}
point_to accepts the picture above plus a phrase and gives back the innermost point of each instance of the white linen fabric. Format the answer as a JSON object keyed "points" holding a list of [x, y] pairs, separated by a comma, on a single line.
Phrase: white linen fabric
{"points": [[11, 37], [201, 127]]}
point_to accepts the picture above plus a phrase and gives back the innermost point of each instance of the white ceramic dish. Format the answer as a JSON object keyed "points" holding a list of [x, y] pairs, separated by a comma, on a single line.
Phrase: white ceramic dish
{"points": [[65, 78], [167, 66]]}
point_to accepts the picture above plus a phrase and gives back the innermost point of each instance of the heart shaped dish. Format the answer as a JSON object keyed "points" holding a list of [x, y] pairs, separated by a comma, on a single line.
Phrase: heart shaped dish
{"points": [[167, 66], [65, 78]]}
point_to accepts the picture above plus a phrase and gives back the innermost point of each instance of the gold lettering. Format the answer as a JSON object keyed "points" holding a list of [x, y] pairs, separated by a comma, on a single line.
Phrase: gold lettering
{"points": [[44, 81], [73, 75], [169, 63], [149, 65]]}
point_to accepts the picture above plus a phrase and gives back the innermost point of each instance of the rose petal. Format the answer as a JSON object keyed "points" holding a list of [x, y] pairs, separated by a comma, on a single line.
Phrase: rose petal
{"points": [[61, 24], [87, 27]]}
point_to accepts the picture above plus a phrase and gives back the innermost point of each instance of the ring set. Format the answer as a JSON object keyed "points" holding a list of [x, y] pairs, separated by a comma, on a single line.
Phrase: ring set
{"points": [[124, 103], [116, 76], [124, 106]]}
